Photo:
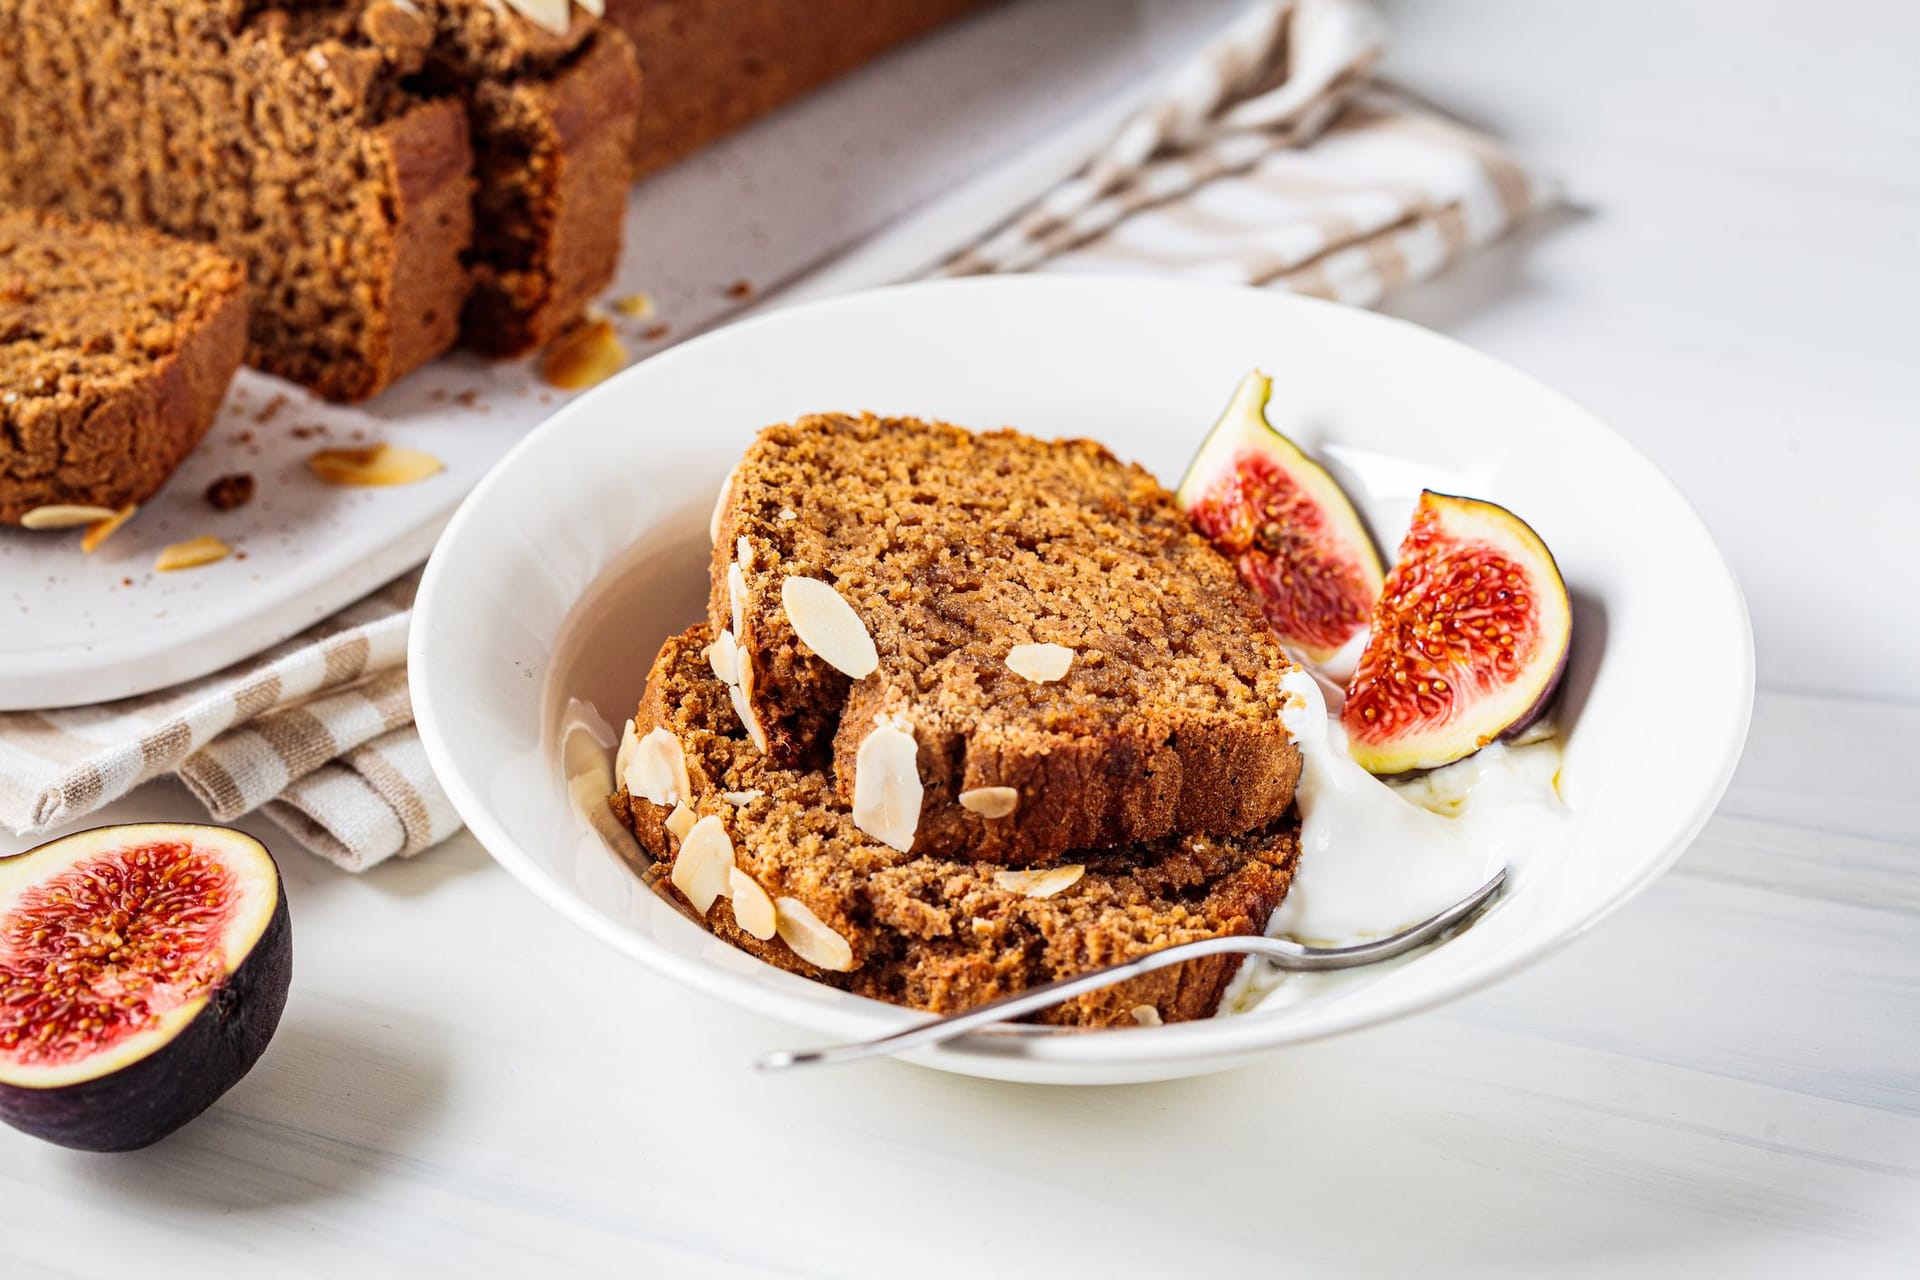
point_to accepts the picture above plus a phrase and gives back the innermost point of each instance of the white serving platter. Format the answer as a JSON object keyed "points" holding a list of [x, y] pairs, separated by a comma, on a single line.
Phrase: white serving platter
{"points": [[935, 143]]}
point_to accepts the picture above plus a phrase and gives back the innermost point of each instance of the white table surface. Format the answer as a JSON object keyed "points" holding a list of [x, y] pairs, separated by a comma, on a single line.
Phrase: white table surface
{"points": [[1722, 1079]]}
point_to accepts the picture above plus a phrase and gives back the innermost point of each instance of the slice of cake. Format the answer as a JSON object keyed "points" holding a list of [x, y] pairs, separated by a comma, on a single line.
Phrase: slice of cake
{"points": [[553, 115], [1032, 628], [771, 859], [116, 349]]}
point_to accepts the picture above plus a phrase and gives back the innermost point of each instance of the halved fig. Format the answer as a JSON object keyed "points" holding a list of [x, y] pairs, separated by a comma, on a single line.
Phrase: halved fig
{"points": [[1286, 525], [1469, 639], [142, 971]]}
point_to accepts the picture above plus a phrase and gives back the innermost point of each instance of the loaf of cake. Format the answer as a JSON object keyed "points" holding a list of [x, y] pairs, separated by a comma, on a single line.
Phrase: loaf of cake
{"points": [[116, 348], [713, 65], [383, 168], [1067, 663], [811, 892]]}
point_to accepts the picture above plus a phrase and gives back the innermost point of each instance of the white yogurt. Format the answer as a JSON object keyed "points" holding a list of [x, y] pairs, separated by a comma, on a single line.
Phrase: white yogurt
{"points": [[1376, 858]]}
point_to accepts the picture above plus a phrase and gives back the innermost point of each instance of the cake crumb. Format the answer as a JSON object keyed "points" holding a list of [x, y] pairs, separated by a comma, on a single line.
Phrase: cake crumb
{"points": [[271, 409], [656, 333], [635, 306], [230, 492], [740, 290]]}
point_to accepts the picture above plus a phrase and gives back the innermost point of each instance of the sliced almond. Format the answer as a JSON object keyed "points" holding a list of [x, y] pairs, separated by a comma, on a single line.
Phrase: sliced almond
{"points": [[990, 802], [374, 466], [1147, 1016], [743, 552], [552, 15], [703, 868], [737, 598], [720, 505], [584, 356], [753, 910], [786, 513], [744, 709], [886, 783], [100, 530], [1040, 663], [588, 792], [724, 657], [636, 306], [828, 625], [810, 939], [1040, 884], [191, 554], [742, 798], [629, 739], [63, 515], [658, 770], [680, 821]]}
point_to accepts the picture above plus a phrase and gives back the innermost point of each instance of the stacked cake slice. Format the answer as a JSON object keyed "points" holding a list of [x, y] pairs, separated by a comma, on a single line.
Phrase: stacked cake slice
{"points": [[969, 713]]}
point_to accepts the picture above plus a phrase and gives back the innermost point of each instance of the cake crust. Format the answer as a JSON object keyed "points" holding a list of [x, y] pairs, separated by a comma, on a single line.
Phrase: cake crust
{"points": [[712, 66]]}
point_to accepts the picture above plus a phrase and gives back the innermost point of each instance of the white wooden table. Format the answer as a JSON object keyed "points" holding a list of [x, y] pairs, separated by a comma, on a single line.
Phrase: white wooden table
{"points": [[1723, 1079]]}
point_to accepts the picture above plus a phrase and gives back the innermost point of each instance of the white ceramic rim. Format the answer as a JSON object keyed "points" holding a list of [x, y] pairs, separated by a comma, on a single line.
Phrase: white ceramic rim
{"points": [[1214, 1038]]}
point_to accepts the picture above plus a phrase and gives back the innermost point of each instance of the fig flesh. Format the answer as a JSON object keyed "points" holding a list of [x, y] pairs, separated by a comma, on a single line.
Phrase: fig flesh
{"points": [[1468, 642], [143, 970], [1287, 526]]}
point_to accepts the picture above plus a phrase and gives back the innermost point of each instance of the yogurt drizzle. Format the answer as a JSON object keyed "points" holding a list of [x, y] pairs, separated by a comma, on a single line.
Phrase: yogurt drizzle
{"points": [[1375, 858]]}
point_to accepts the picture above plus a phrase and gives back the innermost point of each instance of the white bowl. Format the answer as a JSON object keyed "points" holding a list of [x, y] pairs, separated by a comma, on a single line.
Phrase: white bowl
{"points": [[587, 546]]}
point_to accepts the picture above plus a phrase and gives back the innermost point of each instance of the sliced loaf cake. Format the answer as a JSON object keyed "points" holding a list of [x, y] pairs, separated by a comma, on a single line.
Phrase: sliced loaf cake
{"points": [[1004, 648], [381, 167], [772, 860]]}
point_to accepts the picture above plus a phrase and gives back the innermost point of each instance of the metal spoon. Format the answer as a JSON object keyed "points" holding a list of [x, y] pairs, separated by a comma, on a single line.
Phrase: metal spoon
{"points": [[1291, 956]]}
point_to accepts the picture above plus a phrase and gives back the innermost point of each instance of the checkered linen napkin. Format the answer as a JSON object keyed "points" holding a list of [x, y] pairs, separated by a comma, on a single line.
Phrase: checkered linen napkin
{"points": [[1271, 159]]}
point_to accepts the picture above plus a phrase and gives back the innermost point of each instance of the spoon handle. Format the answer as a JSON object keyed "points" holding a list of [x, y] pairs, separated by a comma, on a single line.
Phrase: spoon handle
{"points": [[1284, 954]]}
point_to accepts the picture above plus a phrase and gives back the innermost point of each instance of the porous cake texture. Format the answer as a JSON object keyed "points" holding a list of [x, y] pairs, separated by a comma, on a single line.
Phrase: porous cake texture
{"points": [[944, 933], [116, 348], [955, 549], [344, 152]]}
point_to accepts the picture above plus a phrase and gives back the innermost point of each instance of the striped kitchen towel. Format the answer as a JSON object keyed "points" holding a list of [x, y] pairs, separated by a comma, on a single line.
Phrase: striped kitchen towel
{"points": [[1273, 159], [316, 732]]}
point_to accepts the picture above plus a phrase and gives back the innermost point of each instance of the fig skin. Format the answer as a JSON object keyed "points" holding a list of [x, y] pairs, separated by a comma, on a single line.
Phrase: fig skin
{"points": [[1481, 719], [146, 1100]]}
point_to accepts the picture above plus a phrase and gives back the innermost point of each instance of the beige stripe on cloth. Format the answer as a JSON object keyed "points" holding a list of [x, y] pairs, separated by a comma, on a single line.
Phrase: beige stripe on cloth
{"points": [[239, 737], [380, 796], [1273, 161], [1270, 159]]}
